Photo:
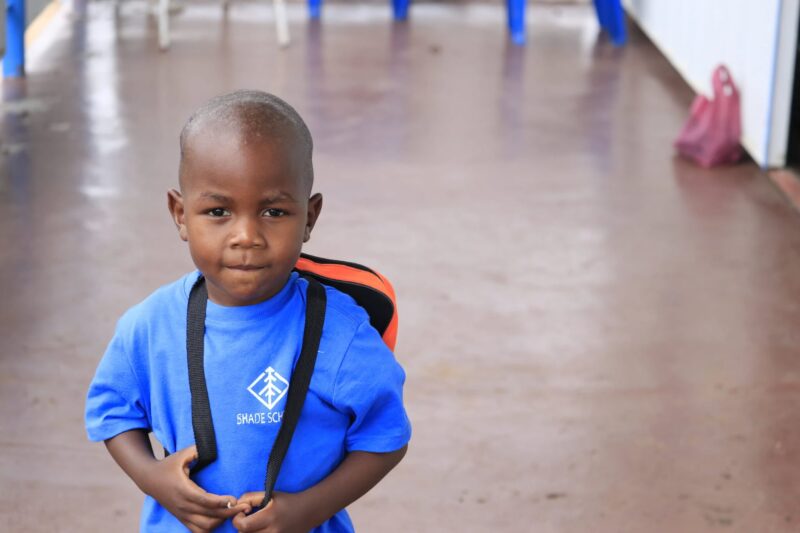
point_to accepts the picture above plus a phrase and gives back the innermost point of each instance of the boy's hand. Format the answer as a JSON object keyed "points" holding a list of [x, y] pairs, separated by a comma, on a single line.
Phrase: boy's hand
{"points": [[169, 483], [300, 512], [285, 513]]}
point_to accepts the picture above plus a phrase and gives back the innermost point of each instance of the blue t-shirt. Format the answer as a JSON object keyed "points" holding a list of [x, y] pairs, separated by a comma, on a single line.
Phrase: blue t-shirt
{"points": [[354, 403]]}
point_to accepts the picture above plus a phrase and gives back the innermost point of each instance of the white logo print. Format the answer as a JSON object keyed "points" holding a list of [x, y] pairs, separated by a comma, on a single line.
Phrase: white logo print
{"points": [[269, 387]]}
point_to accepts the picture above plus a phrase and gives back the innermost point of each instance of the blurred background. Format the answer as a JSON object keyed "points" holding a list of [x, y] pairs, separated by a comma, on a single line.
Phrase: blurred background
{"points": [[599, 335]]}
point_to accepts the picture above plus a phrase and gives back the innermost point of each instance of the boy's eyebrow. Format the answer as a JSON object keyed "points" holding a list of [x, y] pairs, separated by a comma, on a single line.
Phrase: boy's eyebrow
{"points": [[268, 199], [215, 196], [277, 197]]}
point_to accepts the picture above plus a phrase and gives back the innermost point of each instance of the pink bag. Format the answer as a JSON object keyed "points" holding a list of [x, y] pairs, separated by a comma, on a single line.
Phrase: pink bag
{"points": [[711, 135]]}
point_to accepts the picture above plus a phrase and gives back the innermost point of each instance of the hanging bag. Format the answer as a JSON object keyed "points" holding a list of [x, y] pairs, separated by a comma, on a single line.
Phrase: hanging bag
{"points": [[368, 288], [711, 135]]}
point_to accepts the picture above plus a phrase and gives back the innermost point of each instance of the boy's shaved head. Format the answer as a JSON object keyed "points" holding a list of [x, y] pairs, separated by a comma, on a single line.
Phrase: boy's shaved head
{"points": [[253, 116]]}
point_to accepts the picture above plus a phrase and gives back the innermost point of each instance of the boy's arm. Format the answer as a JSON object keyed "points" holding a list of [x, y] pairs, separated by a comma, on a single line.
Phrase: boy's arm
{"points": [[168, 482], [300, 512]]}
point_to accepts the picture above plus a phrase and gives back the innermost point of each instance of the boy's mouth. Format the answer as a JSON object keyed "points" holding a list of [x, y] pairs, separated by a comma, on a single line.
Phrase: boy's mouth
{"points": [[245, 267]]}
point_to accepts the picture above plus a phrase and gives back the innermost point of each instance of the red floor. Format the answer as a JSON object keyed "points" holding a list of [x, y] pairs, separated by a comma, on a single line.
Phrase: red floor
{"points": [[598, 337]]}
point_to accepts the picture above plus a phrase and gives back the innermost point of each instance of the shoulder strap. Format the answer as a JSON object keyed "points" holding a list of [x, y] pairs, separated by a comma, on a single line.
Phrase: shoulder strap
{"points": [[298, 385], [202, 423]]}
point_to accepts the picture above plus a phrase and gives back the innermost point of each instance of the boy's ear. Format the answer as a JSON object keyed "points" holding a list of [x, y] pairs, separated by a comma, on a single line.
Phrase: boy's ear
{"points": [[314, 207], [175, 205]]}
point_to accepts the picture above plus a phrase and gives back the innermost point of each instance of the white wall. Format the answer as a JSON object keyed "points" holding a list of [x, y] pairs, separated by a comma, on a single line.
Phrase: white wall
{"points": [[756, 39]]}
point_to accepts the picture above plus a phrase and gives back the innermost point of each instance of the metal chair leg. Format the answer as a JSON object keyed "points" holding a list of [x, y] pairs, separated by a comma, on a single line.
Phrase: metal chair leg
{"points": [[163, 24], [281, 22]]}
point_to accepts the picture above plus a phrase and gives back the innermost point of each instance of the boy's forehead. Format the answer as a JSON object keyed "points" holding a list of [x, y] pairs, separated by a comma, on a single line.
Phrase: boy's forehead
{"points": [[226, 155]]}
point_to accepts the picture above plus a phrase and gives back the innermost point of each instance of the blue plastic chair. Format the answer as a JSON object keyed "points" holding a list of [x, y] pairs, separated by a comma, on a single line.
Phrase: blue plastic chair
{"points": [[516, 20], [609, 14], [399, 7], [612, 19]]}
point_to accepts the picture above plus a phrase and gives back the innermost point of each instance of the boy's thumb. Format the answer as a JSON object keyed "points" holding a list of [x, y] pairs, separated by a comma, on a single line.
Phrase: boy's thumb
{"points": [[186, 457], [189, 452], [252, 499]]}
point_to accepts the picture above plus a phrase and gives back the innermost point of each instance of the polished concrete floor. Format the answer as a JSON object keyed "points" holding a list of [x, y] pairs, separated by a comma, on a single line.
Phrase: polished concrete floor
{"points": [[598, 337]]}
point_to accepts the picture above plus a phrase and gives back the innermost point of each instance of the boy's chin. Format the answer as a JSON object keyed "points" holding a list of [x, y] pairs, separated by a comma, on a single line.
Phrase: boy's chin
{"points": [[242, 293]]}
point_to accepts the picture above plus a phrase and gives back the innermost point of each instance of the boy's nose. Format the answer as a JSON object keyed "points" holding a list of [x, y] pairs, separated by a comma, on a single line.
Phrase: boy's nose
{"points": [[247, 234]]}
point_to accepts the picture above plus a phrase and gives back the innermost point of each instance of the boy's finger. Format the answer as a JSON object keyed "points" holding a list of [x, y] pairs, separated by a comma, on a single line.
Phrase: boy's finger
{"points": [[228, 512], [208, 504], [237, 521], [254, 522], [217, 513], [209, 501], [197, 522], [186, 457], [253, 499]]}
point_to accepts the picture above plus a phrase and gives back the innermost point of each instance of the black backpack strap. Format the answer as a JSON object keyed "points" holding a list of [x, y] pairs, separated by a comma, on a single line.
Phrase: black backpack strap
{"points": [[202, 424], [298, 386]]}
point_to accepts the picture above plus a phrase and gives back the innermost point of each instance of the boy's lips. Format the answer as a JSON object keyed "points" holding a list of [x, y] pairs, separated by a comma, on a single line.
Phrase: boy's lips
{"points": [[245, 267]]}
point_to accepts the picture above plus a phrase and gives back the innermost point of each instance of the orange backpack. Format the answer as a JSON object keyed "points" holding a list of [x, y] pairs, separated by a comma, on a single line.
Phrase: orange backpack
{"points": [[368, 288]]}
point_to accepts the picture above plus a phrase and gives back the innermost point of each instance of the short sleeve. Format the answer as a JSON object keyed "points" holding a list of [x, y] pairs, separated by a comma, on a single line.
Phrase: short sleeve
{"points": [[115, 402], [369, 388]]}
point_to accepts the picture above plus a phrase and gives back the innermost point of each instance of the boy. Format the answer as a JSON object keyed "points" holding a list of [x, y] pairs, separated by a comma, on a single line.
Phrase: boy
{"points": [[245, 209]]}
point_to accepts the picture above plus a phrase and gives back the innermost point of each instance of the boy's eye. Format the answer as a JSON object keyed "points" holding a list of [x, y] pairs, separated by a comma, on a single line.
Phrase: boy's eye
{"points": [[274, 212], [218, 212]]}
